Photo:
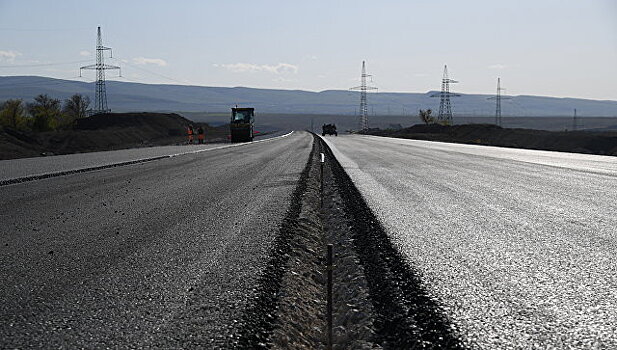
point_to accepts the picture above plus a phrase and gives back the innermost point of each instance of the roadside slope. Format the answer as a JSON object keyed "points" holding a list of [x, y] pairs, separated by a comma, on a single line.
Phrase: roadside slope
{"points": [[104, 132], [603, 143]]}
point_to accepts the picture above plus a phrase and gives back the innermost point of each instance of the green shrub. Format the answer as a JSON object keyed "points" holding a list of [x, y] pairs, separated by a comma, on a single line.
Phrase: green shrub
{"points": [[46, 113], [13, 114]]}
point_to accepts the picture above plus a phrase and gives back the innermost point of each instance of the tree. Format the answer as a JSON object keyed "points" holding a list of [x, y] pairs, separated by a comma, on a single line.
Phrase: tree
{"points": [[46, 112], [76, 107], [12, 114], [425, 116]]}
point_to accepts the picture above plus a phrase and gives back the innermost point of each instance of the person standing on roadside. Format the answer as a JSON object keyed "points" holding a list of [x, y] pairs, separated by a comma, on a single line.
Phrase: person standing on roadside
{"points": [[200, 135], [190, 132]]}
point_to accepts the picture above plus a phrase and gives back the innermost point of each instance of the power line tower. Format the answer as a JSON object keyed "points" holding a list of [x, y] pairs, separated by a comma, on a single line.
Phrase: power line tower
{"points": [[100, 94], [445, 107], [575, 121], [498, 99], [363, 103]]}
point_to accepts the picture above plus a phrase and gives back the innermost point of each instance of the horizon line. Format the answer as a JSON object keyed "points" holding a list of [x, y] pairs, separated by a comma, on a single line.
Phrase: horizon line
{"points": [[303, 90]]}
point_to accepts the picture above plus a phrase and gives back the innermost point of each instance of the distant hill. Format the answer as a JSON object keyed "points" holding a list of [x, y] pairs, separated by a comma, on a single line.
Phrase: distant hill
{"points": [[127, 97]]}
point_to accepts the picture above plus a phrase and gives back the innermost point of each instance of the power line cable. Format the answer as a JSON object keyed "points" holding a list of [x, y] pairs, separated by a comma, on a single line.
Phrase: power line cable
{"points": [[42, 29], [43, 64], [125, 78], [149, 71], [41, 83]]}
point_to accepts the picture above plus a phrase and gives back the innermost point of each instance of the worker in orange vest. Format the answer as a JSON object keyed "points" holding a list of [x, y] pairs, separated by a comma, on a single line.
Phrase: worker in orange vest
{"points": [[200, 135], [190, 133]]}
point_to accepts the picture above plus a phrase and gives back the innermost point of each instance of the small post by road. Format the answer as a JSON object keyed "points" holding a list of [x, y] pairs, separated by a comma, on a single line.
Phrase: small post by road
{"points": [[329, 297], [323, 159]]}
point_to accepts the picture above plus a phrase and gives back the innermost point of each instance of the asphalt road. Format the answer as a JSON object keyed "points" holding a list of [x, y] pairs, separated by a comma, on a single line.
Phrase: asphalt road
{"points": [[518, 246], [163, 254], [26, 167]]}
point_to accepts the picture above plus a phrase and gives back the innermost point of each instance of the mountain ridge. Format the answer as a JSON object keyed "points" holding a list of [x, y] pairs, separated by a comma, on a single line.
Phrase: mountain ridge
{"points": [[132, 96]]}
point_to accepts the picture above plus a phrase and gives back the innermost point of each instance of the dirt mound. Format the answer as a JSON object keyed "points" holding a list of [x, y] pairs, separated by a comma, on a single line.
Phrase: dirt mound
{"points": [[604, 143], [104, 132], [16, 144], [160, 123]]}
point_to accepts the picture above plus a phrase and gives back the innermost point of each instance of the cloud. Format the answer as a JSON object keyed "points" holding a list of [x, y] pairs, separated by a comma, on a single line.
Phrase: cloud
{"points": [[283, 80], [157, 61], [9, 55], [84, 53], [497, 66], [281, 68]]}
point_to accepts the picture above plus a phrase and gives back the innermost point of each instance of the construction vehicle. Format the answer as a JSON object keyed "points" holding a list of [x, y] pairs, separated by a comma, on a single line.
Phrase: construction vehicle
{"points": [[241, 125], [328, 129]]}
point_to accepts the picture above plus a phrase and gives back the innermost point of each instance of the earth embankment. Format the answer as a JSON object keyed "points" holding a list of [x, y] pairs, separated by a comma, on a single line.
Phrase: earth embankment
{"points": [[104, 132], [603, 143]]}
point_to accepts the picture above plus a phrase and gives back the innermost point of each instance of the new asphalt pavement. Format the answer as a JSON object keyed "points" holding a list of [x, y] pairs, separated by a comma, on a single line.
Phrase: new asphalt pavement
{"points": [[516, 246], [160, 254]]}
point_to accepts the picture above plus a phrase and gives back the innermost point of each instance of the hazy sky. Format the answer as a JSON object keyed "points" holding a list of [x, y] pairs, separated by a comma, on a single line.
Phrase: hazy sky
{"points": [[564, 48]]}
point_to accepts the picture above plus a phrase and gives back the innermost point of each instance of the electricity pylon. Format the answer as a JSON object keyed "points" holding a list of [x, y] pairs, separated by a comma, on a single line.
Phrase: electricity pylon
{"points": [[363, 102], [575, 122], [100, 94], [498, 99], [445, 107]]}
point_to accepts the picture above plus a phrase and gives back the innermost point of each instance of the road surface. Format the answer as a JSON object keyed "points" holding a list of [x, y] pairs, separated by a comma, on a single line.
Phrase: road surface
{"points": [[518, 246], [162, 254], [37, 166]]}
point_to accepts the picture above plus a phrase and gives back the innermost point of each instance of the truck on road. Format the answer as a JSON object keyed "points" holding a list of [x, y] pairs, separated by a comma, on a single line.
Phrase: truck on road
{"points": [[241, 125], [329, 129]]}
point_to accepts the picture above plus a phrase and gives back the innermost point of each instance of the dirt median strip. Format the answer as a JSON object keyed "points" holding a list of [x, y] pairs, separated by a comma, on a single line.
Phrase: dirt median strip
{"points": [[378, 300], [300, 321], [289, 311]]}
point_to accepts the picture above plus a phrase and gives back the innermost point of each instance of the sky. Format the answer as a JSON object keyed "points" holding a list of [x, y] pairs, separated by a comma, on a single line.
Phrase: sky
{"points": [[561, 48]]}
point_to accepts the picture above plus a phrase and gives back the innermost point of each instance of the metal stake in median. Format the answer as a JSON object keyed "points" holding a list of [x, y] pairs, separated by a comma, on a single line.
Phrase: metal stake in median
{"points": [[329, 298], [323, 159]]}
